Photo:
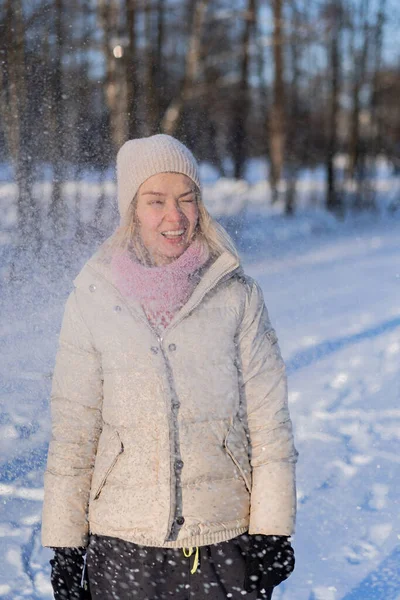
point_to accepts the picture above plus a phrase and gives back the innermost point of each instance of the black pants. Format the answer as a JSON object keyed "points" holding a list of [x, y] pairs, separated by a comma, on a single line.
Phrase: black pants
{"points": [[122, 570]]}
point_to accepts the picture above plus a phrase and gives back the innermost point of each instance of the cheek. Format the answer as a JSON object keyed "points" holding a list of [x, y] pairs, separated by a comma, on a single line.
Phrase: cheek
{"points": [[193, 216], [148, 223]]}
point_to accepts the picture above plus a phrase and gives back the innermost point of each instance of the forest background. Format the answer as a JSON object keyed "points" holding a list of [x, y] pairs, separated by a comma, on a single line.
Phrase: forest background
{"points": [[301, 83]]}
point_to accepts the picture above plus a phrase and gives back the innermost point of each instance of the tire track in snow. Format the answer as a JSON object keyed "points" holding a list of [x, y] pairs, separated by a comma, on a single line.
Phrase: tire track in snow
{"points": [[305, 358]]}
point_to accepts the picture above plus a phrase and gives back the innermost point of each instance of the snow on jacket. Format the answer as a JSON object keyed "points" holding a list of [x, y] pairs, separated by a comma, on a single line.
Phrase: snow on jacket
{"points": [[172, 441]]}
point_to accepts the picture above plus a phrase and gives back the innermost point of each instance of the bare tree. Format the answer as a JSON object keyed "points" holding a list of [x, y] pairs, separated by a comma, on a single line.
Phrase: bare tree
{"points": [[130, 63], [387, 106], [333, 14], [376, 69], [57, 211], [192, 68], [375, 137], [14, 107], [277, 119], [116, 91], [360, 38], [159, 59], [241, 103], [294, 154], [152, 71]]}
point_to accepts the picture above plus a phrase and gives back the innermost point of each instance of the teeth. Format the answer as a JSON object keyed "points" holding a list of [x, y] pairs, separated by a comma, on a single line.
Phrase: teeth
{"points": [[174, 233]]}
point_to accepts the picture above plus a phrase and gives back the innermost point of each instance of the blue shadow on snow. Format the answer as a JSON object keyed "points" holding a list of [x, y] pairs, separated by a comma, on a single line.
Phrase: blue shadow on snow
{"points": [[22, 465], [307, 357], [381, 584]]}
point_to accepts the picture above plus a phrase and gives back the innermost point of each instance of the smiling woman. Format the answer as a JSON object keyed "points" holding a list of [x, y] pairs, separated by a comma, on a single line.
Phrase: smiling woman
{"points": [[167, 214], [163, 158], [171, 464]]}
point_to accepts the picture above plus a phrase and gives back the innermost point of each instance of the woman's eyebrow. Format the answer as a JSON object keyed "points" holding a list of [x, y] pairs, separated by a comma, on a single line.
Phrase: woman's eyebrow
{"points": [[153, 194], [191, 191], [150, 193]]}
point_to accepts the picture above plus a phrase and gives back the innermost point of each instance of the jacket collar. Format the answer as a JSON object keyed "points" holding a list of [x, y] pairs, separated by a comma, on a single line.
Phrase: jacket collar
{"points": [[223, 268], [98, 268]]}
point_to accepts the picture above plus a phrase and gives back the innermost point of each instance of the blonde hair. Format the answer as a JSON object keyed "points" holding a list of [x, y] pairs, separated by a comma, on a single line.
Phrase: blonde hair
{"points": [[208, 230]]}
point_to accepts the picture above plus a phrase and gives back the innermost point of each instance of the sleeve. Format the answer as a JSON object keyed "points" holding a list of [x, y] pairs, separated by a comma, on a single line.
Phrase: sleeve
{"points": [[264, 390], [76, 401]]}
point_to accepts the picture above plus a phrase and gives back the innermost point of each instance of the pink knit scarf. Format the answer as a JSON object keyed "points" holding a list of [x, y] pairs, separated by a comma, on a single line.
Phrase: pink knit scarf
{"points": [[161, 291]]}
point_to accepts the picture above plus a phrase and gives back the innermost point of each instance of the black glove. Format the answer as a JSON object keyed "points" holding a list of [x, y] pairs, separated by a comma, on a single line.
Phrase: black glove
{"points": [[269, 561], [69, 574]]}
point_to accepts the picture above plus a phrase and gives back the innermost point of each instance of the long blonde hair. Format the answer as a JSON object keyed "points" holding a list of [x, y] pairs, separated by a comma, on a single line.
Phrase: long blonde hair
{"points": [[212, 233]]}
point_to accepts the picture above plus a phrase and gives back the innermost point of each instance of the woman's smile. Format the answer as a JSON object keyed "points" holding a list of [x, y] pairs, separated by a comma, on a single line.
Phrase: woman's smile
{"points": [[167, 214], [176, 237]]}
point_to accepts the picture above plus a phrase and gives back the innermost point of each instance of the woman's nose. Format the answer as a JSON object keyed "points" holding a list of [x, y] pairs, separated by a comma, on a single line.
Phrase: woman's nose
{"points": [[174, 212]]}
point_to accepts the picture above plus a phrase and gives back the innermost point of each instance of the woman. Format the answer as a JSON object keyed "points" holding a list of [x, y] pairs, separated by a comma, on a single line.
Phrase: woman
{"points": [[172, 457]]}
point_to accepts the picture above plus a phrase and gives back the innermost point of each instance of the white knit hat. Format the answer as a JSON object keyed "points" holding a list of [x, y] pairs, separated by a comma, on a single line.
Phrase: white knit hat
{"points": [[139, 159]]}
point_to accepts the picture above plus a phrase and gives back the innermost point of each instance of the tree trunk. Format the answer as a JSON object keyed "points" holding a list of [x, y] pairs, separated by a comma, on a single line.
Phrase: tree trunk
{"points": [[150, 91], [115, 80], [16, 122], [159, 61], [57, 208], [192, 66], [277, 124], [378, 43], [131, 68], [295, 152], [359, 72], [242, 100], [333, 200]]}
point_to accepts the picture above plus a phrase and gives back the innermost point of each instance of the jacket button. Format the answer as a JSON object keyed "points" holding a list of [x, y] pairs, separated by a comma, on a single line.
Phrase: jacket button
{"points": [[180, 520], [172, 347], [176, 404], [117, 308], [154, 349], [92, 287], [179, 464]]}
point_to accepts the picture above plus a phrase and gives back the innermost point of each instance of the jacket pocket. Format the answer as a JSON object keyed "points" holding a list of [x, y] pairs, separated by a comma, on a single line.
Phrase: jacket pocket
{"points": [[108, 471], [236, 447]]}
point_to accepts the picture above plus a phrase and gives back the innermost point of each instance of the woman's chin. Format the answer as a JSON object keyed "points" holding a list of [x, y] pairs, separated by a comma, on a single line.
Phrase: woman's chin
{"points": [[171, 249], [168, 255]]}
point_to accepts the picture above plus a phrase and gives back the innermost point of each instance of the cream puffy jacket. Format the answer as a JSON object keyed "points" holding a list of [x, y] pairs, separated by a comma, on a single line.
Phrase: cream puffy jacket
{"points": [[172, 441]]}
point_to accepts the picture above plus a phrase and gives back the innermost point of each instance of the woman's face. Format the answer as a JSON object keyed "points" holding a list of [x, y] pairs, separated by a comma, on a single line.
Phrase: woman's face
{"points": [[167, 215]]}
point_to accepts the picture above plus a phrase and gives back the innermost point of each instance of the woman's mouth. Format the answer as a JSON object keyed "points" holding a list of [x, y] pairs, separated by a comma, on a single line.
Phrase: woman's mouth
{"points": [[174, 235]]}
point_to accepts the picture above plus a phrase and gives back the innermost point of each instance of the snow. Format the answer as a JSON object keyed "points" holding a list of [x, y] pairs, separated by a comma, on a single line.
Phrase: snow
{"points": [[336, 308], [332, 290]]}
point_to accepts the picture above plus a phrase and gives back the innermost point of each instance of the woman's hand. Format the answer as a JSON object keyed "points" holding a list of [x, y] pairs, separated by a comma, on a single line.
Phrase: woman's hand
{"points": [[269, 561], [69, 575]]}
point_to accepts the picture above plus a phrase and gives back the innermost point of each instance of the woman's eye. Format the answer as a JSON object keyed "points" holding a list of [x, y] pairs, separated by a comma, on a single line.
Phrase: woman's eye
{"points": [[188, 200], [156, 202]]}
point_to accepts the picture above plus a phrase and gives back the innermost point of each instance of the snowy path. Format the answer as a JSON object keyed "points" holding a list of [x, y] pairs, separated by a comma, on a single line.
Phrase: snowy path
{"points": [[336, 307], [335, 302]]}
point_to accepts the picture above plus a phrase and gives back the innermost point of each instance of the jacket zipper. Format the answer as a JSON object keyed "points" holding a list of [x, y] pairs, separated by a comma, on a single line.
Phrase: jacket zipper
{"points": [[110, 468], [167, 364], [172, 508]]}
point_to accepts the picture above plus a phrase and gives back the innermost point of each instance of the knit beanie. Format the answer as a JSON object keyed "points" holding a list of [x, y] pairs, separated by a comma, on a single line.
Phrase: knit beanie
{"points": [[139, 159]]}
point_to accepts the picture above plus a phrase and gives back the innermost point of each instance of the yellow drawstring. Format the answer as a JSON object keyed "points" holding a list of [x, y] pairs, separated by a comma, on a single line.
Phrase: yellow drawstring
{"points": [[188, 552]]}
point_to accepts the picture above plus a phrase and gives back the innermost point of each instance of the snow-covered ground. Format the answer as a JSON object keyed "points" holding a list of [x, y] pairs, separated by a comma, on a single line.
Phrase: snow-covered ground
{"points": [[333, 292], [336, 306]]}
